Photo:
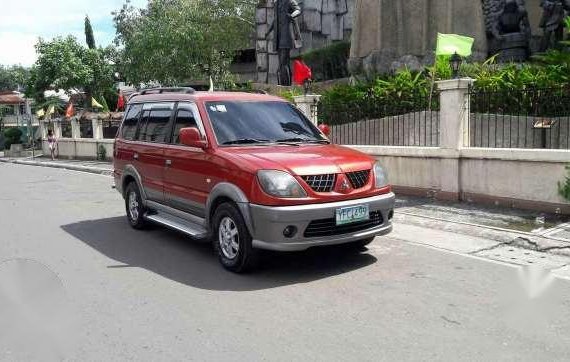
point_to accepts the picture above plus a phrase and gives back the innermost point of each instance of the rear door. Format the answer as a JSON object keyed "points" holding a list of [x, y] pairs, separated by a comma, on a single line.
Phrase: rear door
{"points": [[153, 133], [188, 175]]}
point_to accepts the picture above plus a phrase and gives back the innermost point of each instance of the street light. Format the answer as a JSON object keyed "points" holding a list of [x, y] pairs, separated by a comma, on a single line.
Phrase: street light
{"points": [[455, 63]]}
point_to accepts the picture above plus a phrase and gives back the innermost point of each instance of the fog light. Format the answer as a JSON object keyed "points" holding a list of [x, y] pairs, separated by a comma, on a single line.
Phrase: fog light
{"points": [[290, 231]]}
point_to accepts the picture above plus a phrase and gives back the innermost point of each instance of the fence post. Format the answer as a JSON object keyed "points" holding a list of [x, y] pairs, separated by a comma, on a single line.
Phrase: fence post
{"points": [[308, 104], [453, 132], [454, 114], [75, 128], [57, 128], [97, 128]]}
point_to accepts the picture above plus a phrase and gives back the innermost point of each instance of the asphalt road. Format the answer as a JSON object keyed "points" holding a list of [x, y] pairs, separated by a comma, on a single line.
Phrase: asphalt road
{"points": [[77, 283]]}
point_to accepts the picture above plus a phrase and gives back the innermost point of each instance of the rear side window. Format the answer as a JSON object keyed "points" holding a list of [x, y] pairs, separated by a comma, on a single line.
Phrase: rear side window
{"points": [[129, 129], [184, 118], [155, 127]]}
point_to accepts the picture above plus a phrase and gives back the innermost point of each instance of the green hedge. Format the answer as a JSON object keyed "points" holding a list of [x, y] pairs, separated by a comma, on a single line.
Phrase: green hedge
{"points": [[330, 62]]}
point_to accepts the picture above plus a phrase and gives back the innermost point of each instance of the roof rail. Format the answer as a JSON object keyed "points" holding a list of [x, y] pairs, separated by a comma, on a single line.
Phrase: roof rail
{"points": [[160, 90]]}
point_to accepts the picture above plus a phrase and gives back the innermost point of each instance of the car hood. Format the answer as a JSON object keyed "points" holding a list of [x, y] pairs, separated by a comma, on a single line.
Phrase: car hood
{"points": [[304, 159]]}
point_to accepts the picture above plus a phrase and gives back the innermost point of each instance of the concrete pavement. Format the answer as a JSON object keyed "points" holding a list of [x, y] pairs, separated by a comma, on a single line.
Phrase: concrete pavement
{"points": [[418, 294]]}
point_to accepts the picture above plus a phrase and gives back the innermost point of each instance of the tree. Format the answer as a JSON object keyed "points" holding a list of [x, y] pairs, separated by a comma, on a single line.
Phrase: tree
{"points": [[65, 64], [173, 41], [13, 77], [89, 39]]}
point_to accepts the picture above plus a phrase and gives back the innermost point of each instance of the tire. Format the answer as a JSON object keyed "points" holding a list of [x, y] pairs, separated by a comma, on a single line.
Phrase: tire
{"points": [[134, 206], [232, 240]]}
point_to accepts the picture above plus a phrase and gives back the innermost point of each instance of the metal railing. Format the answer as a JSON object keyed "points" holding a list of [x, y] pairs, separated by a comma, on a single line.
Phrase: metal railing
{"points": [[408, 120], [110, 128], [529, 118]]}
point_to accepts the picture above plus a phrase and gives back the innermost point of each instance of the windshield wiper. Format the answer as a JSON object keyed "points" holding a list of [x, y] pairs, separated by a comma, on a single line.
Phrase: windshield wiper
{"points": [[243, 141], [299, 139]]}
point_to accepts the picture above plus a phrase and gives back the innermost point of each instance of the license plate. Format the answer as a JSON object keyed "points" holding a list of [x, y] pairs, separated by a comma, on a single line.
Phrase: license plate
{"points": [[349, 215]]}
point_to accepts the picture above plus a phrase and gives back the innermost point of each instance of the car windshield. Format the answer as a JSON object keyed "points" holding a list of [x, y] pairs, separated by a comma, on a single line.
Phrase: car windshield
{"points": [[240, 123]]}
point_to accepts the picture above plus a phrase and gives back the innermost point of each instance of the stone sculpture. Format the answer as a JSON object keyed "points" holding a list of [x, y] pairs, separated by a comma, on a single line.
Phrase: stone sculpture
{"points": [[508, 29], [554, 12]]}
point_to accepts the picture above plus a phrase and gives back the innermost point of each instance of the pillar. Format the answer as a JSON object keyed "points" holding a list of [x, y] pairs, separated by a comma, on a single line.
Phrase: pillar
{"points": [[75, 128], [308, 104], [97, 129], [453, 132]]}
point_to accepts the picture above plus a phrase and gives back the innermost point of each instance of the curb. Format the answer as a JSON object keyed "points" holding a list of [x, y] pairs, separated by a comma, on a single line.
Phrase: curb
{"points": [[80, 168]]}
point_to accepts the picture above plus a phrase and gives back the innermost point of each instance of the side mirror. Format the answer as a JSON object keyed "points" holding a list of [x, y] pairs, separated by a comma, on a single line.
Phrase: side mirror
{"points": [[325, 128], [191, 137]]}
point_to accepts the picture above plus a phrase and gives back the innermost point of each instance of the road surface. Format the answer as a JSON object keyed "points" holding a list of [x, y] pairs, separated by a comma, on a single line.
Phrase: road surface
{"points": [[156, 295]]}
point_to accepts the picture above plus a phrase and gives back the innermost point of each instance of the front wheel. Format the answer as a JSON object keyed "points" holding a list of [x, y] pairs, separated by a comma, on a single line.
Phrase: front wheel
{"points": [[232, 240]]}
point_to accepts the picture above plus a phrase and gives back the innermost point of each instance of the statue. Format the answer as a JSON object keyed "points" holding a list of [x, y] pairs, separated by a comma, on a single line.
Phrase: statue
{"points": [[508, 29], [287, 36], [552, 21]]}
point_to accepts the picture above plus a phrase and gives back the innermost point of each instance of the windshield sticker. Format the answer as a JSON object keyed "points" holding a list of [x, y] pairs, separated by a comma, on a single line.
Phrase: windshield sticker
{"points": [[218, 108]]}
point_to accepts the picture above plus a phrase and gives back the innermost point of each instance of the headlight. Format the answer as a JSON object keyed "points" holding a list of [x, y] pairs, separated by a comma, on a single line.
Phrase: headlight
{"points": [[280, 184], [380, 175]]}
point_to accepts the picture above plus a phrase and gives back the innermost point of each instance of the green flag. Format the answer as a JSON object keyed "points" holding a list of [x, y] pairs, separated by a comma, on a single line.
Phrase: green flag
{"points": [[447, 44]]}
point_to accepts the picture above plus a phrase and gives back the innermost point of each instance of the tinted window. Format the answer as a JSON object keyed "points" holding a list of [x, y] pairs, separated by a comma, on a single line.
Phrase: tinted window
{"points": [[155, 127], [249, 122], [130, 122], [184, 118]]}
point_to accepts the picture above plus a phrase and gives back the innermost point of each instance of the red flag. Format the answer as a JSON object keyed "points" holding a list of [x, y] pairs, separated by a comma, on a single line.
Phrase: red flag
{"points": [[301, 72], [70, 111], [120, 102]]}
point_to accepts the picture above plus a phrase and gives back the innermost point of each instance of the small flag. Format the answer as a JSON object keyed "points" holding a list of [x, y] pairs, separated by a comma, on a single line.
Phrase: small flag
{"points": [[70, 111], [95, 104], [120, 102], [40, 112], [51, 110], [301, 72], [448, 44]]}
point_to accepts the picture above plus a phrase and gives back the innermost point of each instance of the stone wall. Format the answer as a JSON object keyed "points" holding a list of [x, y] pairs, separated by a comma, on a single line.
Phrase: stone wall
{"points": [[321, 22]]}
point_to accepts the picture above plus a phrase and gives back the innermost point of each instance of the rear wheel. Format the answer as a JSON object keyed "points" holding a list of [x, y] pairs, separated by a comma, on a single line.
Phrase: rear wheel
{"points": [[232, 240], [134, 206]]}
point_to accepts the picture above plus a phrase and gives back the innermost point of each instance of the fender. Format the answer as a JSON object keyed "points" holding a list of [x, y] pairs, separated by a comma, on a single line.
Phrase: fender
{"points": [[231, 191], [130, 170]]}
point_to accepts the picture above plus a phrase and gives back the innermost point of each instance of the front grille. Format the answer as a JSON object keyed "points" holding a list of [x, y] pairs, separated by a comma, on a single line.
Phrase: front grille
{"points": [[358, 179], [320, 183], [328, 227]]}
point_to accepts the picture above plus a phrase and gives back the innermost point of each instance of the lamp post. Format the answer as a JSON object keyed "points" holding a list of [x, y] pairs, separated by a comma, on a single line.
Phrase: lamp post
{"points": [[455, 63]]}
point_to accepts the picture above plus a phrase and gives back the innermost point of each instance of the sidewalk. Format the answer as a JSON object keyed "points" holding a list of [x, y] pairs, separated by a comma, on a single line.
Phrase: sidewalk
{"points": [[96, 167]]}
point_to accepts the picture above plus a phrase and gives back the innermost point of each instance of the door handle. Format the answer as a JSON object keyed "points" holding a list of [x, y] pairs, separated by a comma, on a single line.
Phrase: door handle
{"points": [[136, 156], [168, 162]]}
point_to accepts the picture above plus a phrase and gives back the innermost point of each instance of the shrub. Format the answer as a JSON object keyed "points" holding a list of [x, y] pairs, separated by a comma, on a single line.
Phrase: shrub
{"points": [[101, 153], [12, 136]]}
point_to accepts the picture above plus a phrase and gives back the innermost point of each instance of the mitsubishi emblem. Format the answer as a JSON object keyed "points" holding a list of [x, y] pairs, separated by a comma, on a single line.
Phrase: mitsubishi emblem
{"points": [[344, 186]]}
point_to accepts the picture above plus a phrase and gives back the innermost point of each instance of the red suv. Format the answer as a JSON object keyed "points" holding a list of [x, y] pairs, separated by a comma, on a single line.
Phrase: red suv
{"points": [[248, 171]]}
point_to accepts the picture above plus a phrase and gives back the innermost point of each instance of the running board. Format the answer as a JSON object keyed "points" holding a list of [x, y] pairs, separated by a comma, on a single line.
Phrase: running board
{"points": [[176, 223]]}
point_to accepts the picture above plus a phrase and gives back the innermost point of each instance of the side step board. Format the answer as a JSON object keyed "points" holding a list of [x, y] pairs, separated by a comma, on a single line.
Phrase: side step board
{"points": [[176, 223]]}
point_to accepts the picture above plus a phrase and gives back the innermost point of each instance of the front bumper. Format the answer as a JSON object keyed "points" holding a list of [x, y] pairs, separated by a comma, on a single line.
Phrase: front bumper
{"points": [[269, 222]]}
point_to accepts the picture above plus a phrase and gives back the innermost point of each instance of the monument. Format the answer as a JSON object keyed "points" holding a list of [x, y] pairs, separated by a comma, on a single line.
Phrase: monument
{"points": [[554, 12]]}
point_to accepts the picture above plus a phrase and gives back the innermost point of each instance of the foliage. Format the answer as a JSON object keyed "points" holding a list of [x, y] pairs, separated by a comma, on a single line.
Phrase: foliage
{"points": [[56, 102], [174, 41], [290, 93], [564, 188], [13, 77], [330, 62], [89, 38], [12, 136], [65, 64], [101, 153]]}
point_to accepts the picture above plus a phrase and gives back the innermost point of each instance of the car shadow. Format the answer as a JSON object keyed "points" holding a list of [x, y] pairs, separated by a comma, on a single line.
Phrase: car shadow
{"points": [[181, 259]]}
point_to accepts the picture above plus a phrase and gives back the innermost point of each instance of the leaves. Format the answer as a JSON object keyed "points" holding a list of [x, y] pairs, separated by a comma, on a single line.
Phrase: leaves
{"points": [[13, 77], [175, 41]]}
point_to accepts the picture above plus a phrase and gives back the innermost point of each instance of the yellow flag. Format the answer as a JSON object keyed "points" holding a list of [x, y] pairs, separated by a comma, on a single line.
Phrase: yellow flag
{"points": [[51, 110], [95, 104], [40, 112]]}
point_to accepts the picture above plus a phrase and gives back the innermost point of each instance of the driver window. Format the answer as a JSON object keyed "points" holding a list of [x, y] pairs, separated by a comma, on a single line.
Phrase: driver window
{"points": [[184, 119]]}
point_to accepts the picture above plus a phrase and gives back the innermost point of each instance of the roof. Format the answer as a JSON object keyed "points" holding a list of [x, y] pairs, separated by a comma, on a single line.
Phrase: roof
{"points": [[203, 96], [10, 97]]}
